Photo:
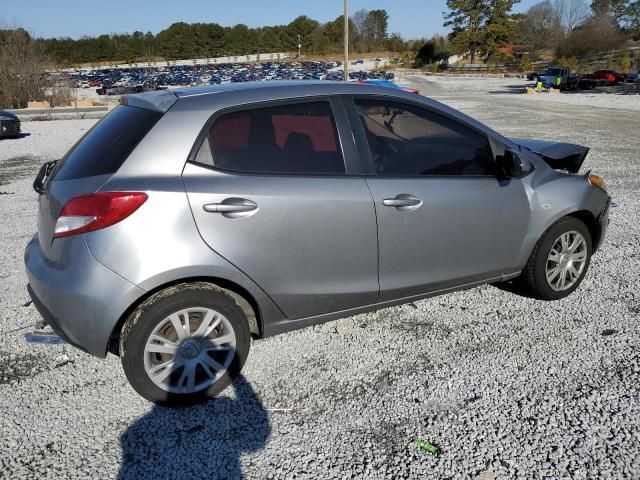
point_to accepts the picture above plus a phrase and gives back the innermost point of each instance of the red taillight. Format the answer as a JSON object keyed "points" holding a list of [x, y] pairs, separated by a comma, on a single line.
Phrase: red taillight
{"points": [[99, 210]]}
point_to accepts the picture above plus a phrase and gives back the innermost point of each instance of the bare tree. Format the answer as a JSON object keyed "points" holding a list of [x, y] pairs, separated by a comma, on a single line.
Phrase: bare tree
{"points": [[541, 27], [359, 19], [22, 75], [598, 34], [572, 13]]}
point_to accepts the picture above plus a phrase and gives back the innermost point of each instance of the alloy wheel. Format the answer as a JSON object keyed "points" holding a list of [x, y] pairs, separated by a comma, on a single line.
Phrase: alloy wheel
{"points": [[189, 350], [566, 261]]}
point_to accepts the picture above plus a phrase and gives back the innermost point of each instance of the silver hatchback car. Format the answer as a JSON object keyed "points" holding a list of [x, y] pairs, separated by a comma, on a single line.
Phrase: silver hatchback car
{"points": [[187, 221]]}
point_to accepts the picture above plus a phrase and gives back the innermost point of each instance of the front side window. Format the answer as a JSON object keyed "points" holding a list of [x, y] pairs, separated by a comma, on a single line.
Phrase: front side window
{"points": [[411, 141], [299, 138]]}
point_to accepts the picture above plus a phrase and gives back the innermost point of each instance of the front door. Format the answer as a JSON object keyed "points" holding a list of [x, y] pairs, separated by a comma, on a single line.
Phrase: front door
{"points": [[444, 219]]}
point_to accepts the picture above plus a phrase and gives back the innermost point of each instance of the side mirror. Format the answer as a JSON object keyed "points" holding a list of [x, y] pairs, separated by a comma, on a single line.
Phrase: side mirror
{"points": [[511, 165]]}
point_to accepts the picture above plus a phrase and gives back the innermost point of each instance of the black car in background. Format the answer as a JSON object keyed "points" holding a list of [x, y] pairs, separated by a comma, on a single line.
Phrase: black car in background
{"points": [[9, 124]]}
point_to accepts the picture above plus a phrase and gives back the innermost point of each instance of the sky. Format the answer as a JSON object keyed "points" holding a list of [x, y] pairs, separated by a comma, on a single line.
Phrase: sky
{"points": [[75, 18]]}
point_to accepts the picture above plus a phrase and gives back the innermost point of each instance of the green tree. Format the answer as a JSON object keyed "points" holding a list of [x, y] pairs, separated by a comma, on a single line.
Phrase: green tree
{"points": [[467, 18], [302, 26], [375, 28], [207, 40], [396, 43], [616, 8], [176, 41], [501, 27], [370, 29], [625, 12], [432, 51], [625, 63], [479, 25]]}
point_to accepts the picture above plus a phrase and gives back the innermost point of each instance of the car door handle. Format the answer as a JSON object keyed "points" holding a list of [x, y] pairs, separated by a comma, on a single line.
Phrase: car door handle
{"points": [[226, 208], [400, 202], [232, 207], [403, 202]]}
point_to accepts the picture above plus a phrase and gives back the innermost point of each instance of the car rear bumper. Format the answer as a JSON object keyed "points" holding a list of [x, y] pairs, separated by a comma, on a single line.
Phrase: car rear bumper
{"points": [[82, 300]]}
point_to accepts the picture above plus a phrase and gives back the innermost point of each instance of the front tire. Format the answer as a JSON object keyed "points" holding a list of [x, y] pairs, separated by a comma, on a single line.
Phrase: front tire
{"points": [[559, 261], [184, 344]]}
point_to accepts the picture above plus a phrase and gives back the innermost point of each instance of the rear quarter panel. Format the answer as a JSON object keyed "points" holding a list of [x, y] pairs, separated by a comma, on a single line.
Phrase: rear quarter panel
{"points": [[159, 243]]}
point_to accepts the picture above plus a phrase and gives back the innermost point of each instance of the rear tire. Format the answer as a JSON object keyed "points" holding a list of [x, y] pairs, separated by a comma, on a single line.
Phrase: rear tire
{"points": [[185, 344], [559, 261]]}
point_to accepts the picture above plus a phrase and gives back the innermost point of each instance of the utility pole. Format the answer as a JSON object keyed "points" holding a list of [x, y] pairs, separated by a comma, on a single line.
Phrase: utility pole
{"points": [[299, 47], [346, 40]]}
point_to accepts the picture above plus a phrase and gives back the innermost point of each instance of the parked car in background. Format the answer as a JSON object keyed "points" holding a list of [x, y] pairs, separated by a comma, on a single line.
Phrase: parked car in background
{"points": [[558, 77], [534, 75], [188, 220], [132, 79], [633, 77], [612, 77], [9, 124]]}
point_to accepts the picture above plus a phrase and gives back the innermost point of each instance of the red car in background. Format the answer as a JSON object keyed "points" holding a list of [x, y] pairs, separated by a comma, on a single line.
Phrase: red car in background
{"points": [[612, 78]]}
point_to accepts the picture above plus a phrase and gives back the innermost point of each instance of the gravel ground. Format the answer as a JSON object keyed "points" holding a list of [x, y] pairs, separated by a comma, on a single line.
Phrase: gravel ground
{"points": [[507, 387], [624, 97]]}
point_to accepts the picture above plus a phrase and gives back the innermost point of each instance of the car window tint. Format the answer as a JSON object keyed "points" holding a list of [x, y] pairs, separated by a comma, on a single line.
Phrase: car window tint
{"points": [[408, 140], [297, 138], [107, 145], [231, 131]]}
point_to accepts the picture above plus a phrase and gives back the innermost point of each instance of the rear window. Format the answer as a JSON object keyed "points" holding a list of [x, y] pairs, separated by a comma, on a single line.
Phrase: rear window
{"points": [[298, 138], [107, 145]]}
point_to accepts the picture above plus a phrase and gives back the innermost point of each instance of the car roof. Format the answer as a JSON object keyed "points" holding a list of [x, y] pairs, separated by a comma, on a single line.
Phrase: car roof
{"points": [[216, 97], [162, 100], [301, 87]]}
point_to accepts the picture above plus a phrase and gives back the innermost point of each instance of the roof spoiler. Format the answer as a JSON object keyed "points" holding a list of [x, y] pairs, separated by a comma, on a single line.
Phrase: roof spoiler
{"points": [[159, 100]]}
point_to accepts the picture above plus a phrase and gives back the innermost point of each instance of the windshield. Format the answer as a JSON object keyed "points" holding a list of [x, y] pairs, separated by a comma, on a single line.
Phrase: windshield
{"points": [[553, 72]]}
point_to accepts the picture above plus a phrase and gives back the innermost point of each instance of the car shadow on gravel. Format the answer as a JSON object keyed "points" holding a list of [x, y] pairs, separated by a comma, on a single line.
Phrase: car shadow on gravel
{"points": [[16, 168], [15, 137], [204, 441]]}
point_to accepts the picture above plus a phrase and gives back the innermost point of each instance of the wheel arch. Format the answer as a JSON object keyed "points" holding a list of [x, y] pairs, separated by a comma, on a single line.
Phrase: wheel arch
{"points": [[585, 216], [243, 298], [595, 230]]}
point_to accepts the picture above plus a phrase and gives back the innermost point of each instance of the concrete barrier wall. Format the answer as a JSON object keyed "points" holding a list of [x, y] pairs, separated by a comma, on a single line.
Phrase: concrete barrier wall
{"points": [[259, 57]]}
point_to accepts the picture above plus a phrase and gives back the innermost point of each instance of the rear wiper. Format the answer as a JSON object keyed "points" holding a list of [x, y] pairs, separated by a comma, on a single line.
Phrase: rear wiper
{"points": [[43, 175]]}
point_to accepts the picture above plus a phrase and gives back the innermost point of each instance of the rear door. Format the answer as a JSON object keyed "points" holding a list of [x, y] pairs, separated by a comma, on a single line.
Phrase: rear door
{"points": [[444, 218], [271, 190]]}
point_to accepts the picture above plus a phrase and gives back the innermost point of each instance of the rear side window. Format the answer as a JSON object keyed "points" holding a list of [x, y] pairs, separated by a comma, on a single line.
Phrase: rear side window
{"points": [[107, 145], [408, 140], [299, 138]]}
